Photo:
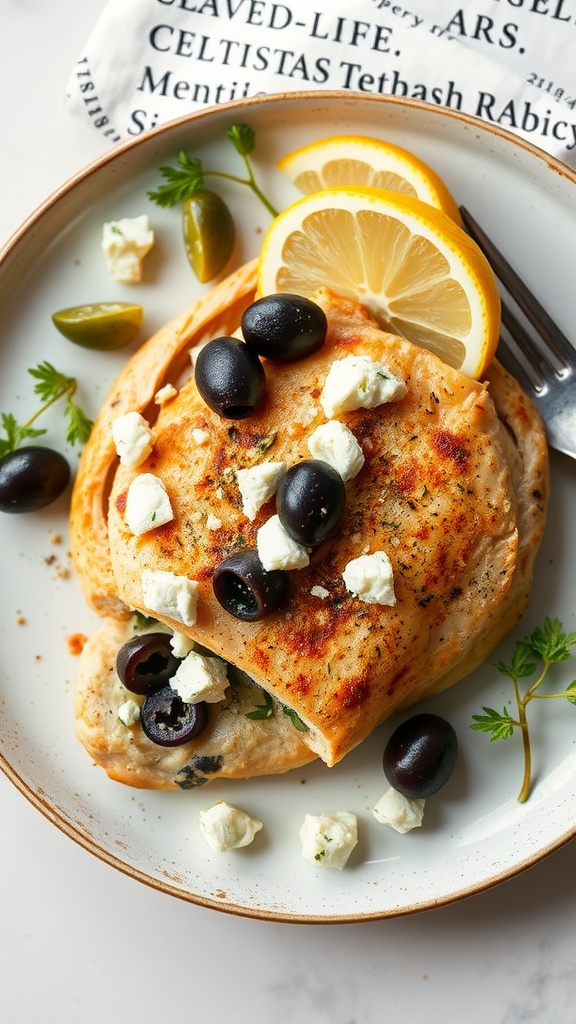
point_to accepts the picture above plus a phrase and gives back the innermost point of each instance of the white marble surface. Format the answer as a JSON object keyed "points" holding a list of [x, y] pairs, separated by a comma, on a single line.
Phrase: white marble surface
{"points": [[82, 942]]}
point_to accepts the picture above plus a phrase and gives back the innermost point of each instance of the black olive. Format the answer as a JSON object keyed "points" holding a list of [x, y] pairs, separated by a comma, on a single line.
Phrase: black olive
{"points": [[31, 478], [168, 721], [310, 501], [420, 755], [230, 378], [284, 326], [246, 589], [146, 662]]}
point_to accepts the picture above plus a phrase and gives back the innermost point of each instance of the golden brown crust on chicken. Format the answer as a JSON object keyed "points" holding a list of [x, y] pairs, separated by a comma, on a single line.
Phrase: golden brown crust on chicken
{"points": [[445, 490]]}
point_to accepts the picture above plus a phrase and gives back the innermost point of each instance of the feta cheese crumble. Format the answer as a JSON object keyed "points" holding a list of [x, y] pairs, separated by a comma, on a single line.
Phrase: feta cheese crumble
{"points": [[165, 394], [227, 828], [129, 713], [132, 439], [199, 677], [370, 578], [125, 244], [358, 382], [181, 645], [334, 443], [258, 484], [200, 436], [277, 550], [399, 812], [321, 592], [328, 839], [147, 504], [170, 595]]}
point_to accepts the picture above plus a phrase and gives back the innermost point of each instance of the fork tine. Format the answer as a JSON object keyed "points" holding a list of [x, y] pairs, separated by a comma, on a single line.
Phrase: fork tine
{"points": [[541, 320], [511, 363], [536, 376]]}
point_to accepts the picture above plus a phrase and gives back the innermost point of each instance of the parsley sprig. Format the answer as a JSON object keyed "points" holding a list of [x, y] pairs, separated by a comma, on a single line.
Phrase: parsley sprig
{"points": [[51, 385], [189, 174], [544, 647], [266, 710]]}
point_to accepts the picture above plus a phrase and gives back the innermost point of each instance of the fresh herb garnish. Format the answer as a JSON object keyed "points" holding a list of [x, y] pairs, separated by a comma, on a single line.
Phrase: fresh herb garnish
{"points": [[189, 174], [264, 710], [295, 719], [543, 648], [51, 385]]}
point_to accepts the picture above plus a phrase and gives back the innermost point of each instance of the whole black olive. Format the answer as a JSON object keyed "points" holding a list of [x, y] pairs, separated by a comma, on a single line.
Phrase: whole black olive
{"points": [[310, 501], [168, 721], [420, 755], [246, 589], [284, 326], [31, 478], [146, 662], [230, 377]]}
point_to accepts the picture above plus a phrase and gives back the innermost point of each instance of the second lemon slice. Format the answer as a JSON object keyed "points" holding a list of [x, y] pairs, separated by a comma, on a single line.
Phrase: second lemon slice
{"points": [[417, 272], [361, 160]]}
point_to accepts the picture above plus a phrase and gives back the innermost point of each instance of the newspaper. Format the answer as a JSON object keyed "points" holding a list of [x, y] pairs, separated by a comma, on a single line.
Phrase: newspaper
{"points": [[506, 62]]}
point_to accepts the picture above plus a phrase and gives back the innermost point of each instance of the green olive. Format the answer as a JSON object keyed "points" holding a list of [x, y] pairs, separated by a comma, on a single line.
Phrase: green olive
{"points": [[101, 325], [209, 233]]}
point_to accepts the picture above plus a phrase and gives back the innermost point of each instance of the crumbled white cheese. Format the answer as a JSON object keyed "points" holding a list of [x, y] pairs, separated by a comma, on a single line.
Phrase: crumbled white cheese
{"points": [[147, 504], [170, 595], [321, 592], [125, 244], [334, 443], [328, 839], [358, 382], [199, 677], [227, 828], [200, 436], [370, 578], [132, 439], [129, 713], [165, 394], [212, 522], [277, 550], [258, 484], [400, 812], [181, 645]]}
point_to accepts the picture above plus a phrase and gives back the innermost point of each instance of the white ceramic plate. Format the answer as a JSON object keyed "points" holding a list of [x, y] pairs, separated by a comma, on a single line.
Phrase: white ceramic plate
{"points": [[475, 833]]}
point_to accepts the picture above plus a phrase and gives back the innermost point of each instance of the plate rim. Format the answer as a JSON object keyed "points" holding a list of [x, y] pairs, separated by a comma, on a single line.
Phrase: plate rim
{"points": [[9, 250]]}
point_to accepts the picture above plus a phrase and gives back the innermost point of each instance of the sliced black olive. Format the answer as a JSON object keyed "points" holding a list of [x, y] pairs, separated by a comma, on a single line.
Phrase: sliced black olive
{"points": [[284, 326], [168, 721], [420, 756], [146, 662], [246, 589], [31, 478], [310, 501], [230, 378]]}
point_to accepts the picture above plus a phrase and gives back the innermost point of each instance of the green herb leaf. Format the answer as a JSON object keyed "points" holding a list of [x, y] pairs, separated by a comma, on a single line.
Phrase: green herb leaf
{"points": [[51, 385], [180, 182], [295, 719], [242, 137], [189, 175], [265, 710], [520, 666], [571, 692], [550, 642], [500, 726], [544, 647], [79, 424]]}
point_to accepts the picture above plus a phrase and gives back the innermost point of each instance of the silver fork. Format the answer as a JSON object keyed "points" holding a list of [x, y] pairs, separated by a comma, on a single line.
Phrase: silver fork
{"points": [[548, 370]]}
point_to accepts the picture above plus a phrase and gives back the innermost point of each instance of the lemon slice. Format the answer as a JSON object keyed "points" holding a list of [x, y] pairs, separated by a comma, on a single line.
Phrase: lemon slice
{"points": [[410, 265], [364, 161], [100, 325]]}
